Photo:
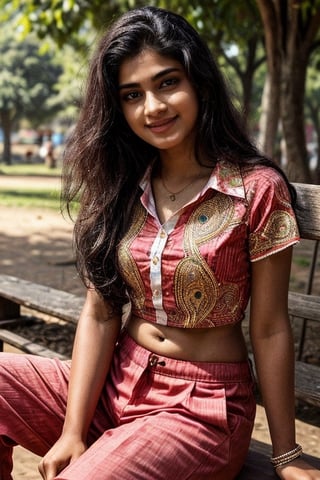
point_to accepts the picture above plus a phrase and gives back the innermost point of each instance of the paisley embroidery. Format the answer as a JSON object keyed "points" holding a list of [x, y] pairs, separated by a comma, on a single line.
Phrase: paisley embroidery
{"points": [[195, 285], [207, 221], [128, 267], [204, 275], [280, 226], [195, 289]]}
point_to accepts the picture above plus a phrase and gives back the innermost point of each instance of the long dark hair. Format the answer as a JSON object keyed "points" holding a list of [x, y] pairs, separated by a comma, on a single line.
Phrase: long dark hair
{"points": [[104, 160]]}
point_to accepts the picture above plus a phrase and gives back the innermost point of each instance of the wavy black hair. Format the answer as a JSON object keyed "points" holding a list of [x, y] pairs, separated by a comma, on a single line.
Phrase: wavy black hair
{"points": [[105, 161]]}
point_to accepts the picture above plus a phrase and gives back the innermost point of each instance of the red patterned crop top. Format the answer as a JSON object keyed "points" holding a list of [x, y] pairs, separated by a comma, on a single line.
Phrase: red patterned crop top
{"points": [[194, 270]]}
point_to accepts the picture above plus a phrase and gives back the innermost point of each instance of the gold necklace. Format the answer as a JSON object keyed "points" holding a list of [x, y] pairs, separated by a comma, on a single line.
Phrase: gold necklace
{"points": [[172, 195]]}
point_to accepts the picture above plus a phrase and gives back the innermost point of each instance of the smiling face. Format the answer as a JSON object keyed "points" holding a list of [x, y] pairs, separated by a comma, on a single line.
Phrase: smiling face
{"points": [[158, 100]]}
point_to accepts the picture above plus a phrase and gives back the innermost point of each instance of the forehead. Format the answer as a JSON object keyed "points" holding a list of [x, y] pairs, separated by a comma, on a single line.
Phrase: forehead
{"points": [[145, 65]]}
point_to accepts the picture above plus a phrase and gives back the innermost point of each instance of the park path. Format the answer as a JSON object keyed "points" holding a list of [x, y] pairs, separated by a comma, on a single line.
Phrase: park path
{"points": [[32, 181]]}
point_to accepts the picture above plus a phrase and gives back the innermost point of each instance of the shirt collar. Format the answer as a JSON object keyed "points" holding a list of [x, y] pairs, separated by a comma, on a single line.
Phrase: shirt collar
{"points": [[225, 178]]}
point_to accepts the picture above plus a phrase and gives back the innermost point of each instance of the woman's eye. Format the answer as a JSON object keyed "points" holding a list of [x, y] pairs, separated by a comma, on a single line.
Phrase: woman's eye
{"points": [[131, 96], [169, 82]]}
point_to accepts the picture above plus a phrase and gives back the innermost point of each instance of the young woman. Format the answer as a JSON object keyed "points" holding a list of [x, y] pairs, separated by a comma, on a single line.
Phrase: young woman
{"points": [[181, 217]]}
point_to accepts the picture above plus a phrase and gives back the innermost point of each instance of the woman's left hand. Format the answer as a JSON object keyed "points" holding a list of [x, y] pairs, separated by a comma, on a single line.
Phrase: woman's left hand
{"points": [[298, 470]]}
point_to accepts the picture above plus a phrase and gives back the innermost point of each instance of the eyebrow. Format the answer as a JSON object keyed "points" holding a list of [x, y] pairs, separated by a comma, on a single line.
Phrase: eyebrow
{"points": [[158, 75]]}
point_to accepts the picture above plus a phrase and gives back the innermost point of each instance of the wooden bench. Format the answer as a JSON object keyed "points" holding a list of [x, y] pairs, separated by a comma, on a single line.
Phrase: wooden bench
{"points": [[17, 294], [307, 308], [24, 302], [258, 467]]}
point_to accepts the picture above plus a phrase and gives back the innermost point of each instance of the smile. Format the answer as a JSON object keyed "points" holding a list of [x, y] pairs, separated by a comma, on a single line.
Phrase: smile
{"points": [[161, 125]]}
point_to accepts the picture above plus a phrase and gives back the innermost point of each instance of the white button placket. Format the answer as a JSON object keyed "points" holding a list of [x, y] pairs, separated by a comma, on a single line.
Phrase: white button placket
{"points": [[155, 269]]}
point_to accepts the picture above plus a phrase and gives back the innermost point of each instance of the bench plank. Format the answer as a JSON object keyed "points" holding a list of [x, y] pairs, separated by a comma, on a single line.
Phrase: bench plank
{"points": [[304, 306], [307, 383], [26, 346], [308, 213], [59, 304], [258, 466]]}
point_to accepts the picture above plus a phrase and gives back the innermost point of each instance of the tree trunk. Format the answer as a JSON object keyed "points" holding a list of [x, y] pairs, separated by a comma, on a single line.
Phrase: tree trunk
{"points": [[270, 104], [6, 127], [293, 77], [269, 119], [291, 32], [316, 176], [246, 77]]}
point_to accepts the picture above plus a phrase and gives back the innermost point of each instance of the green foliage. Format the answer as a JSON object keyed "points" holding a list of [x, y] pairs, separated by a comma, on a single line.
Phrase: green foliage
{"points": [[62, 20], [27, 79], [224, 24], [66, 20], [301, 261], [29, 169], [24, 197]]}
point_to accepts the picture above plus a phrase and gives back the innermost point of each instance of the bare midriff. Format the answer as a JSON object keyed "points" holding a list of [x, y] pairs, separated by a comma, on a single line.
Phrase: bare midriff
{"points": [[217, 344]]}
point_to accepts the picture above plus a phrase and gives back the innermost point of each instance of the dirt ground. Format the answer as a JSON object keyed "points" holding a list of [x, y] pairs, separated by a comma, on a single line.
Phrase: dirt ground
{"points": [[35, 244]]}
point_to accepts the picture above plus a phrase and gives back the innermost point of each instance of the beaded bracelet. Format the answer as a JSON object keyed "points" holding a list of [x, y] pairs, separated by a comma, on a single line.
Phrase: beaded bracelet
{"points": [[286, 457]]}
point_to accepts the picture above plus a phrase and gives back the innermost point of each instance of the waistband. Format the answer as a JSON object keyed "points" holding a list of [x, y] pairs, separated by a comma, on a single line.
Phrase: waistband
{"points": [[201, 371]]}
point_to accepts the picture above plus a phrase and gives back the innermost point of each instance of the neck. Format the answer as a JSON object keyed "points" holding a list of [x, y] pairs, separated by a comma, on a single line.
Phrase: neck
{"points": [[172, 166]]}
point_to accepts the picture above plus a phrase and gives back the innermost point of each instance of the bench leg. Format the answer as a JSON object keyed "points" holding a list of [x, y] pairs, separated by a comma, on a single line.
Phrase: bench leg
{"points": [[8, 309]]}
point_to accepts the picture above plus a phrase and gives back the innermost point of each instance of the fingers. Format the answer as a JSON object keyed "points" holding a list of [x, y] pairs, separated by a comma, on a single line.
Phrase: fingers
{"points": [[48, 470]]}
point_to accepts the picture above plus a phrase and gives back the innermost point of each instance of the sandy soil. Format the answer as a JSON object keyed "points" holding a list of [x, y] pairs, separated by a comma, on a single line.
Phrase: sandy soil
{"points": [[35, 244]]}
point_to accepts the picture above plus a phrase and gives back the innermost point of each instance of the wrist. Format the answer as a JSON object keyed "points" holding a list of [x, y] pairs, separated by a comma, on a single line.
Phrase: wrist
{"points": [[73, 431], [286, 457]]}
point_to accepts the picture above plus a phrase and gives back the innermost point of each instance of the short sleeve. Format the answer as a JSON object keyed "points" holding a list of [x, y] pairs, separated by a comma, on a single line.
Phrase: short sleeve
{"points": [[272, 222]]}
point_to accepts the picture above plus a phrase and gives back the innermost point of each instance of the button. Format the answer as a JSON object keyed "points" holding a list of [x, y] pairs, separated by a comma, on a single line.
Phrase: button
{"points": [[156, 293], [163, 234], [154, 361], [155, 260]]}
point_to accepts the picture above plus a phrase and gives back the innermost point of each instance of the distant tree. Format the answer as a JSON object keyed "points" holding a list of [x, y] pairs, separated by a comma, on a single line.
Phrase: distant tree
{"points": [[233, 31], [291, 31], [312, 106], [27, 81], [65, 21], [223, 23]]}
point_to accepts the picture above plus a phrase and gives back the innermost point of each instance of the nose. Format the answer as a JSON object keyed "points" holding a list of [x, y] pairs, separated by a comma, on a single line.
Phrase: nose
{"points": [[153, 104]]}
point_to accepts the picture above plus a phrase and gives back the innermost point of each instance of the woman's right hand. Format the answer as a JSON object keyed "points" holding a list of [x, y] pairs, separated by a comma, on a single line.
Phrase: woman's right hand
{"points": [[64, 451]]}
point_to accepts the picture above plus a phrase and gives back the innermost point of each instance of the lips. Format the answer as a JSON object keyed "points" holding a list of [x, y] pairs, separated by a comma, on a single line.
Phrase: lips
{"points": [[161, 125]]}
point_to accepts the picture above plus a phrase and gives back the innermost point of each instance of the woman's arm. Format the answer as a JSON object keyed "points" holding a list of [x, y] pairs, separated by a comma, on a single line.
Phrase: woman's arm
{"points": [[95, 339], [273, 350], [94, 343]]}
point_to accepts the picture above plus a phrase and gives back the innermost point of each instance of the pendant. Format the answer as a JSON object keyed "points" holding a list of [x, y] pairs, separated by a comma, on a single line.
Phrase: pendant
{"points": [[172, 197]]}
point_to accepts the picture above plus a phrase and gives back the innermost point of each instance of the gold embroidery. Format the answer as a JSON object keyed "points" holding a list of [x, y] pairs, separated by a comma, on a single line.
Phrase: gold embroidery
{"points": [[208, 221], [196, 288], [127, 264], [280, 226]]}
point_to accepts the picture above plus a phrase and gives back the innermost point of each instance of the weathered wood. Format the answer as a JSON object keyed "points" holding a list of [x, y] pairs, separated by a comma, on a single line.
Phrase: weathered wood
{"points": [[304, 306], [41, 298], [308, 211], [258, 467], [307, 383], [26, 346]]}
